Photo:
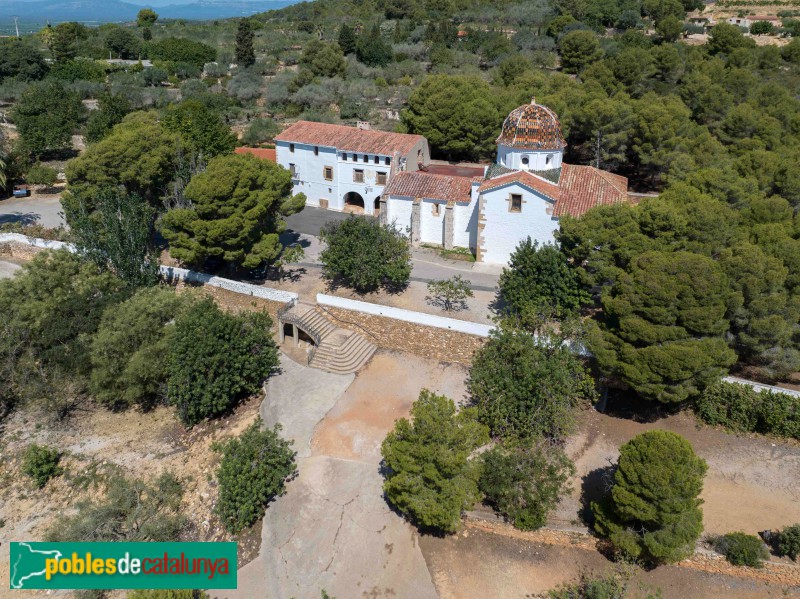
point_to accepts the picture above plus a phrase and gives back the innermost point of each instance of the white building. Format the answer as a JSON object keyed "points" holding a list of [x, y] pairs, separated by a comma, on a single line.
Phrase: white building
{"points": [[346, 168], [522, 195], [387, 174]]}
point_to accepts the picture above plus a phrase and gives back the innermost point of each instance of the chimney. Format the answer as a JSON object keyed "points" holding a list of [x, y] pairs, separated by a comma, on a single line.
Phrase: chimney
{"points": [[363, 126]]}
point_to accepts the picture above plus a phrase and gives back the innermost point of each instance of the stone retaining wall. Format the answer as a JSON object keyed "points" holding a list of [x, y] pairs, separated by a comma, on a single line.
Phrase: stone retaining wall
{"points": [[388, 333]]}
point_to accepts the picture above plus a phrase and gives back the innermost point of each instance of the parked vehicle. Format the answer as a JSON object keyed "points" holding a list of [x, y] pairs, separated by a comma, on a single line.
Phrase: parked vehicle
{"points": [[21, 191]]}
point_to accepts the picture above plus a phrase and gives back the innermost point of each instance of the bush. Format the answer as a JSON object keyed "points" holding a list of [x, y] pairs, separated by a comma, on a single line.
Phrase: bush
{"points": [[216, 359], [430, 477], [653, 511], [742, 549], [39, 174], [742, 408], [527, 385], [363, 254], [41, 464], [131, 510], [127, 353], [260, 131], [540, 276], [789, 541], [254, 467], [525, 484]]}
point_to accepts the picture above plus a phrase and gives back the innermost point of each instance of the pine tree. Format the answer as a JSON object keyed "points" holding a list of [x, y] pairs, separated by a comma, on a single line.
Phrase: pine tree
{"points": [[347, 39], [653, 512], [245, 55]]}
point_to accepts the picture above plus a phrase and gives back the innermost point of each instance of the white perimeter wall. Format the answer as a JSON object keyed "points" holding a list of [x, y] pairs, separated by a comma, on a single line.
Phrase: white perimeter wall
{"points": [[441, 322], [504, 229]]}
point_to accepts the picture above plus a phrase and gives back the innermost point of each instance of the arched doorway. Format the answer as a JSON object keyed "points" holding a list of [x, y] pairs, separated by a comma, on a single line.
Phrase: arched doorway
{"points": [[376, 208], [353, 202]]}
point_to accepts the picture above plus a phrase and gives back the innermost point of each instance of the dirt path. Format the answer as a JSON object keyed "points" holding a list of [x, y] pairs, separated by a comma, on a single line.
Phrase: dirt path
{"points": [[333, 530], [752, 484]]}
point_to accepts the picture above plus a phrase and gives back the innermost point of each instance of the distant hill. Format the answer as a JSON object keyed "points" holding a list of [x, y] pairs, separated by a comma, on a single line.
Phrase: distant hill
{"points": [[110, 11]]}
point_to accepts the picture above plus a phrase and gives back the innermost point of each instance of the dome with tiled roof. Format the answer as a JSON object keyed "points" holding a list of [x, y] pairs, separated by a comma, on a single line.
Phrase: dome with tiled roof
{"points": [[532, 127]]}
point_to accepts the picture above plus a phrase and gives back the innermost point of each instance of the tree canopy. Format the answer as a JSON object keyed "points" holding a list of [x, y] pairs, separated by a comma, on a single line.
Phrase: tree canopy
{"points": [[363, 254], [216, 359], [653, 512], [46, 116], [456, 114], [236, 215], [430, 476]]}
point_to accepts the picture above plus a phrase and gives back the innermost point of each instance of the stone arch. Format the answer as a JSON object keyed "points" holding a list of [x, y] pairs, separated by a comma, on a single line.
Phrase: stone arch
{"points": [[376, 207], [354, 202]]}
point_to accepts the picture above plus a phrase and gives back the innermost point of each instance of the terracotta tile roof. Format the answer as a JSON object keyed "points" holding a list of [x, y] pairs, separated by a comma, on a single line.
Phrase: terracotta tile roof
{"points": [[546, 188], [349, 139], [579, 188], [263, 153], [430, 186], [534, 127], [585, 187]]}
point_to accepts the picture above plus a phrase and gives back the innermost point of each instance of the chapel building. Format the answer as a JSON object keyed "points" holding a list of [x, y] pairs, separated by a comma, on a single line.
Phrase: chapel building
{"points": [[390, 175]]}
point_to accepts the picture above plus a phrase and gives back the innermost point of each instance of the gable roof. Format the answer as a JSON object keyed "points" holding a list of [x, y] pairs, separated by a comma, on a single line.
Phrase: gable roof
{"points": [[429, 186], [579, 188], [585, 187], [349, 139]]}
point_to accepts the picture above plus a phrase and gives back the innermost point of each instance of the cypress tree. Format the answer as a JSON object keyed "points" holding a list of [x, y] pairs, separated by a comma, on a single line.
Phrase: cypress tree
{"points": [[245, 55]]}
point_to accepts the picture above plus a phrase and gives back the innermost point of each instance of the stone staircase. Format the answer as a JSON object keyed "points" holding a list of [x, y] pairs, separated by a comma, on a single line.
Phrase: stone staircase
{"points": [[336, 350]]}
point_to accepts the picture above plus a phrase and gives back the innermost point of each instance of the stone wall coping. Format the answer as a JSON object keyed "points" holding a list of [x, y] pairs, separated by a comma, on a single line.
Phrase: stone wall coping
{"points": [[35, 241], [761, 386], [439, 322], [172, 273], [175, 273]]}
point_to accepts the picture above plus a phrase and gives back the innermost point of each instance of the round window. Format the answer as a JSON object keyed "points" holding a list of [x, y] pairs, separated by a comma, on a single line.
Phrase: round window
{"points": [[525, 160]]}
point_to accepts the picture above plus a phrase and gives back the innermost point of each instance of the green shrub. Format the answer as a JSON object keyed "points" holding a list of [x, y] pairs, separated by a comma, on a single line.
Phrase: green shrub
{"points": [[653, 510], [363, 254], [41, 464], [429, 476], [742, 408], [40, 174], [254, 468], [525, 483], [217, 358], [789, 541], [127, 352], [742, 549]]}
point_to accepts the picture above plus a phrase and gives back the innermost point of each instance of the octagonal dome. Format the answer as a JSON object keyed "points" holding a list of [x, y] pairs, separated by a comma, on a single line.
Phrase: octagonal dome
{"points": [[532, 127]]}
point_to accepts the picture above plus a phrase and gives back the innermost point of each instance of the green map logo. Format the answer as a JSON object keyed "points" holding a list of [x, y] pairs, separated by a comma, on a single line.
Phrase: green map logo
{"points": [[123, 565]]}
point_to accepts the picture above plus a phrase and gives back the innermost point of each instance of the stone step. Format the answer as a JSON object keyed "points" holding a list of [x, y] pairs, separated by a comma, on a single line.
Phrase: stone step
{"points": [[340, 350], [346, 358]]}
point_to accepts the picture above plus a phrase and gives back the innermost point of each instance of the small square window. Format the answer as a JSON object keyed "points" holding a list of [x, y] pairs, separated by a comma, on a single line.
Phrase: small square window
{"points": [[377, 160], [388, 161], [358, 176], [380, 179], [328, 173], [316, 150], [291, 148], [366, 158], [516, 203]]}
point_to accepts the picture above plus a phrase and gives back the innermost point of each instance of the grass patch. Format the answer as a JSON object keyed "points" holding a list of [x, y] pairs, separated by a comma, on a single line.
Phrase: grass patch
{"points": [[457, 253]]}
